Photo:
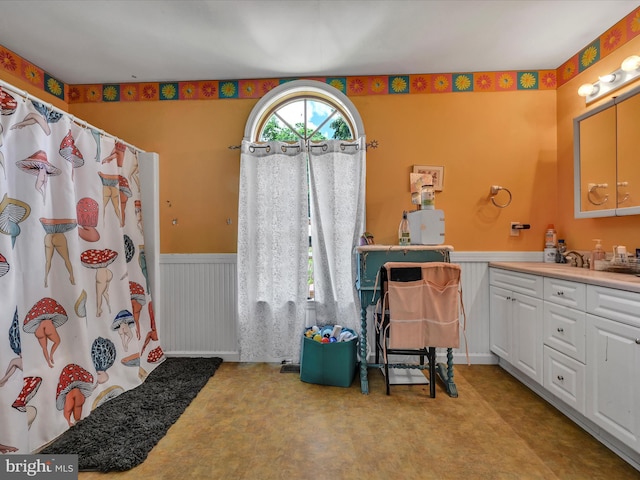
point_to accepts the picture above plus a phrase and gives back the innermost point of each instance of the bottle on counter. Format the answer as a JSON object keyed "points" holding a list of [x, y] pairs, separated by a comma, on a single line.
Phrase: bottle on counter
{"points": [[597, 254], [550, 245], [562, 249], [404, 237], [550, 237]]}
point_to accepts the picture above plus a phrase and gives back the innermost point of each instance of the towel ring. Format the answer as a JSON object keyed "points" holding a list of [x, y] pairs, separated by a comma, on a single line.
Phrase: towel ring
{"points": [[494, 191], [592, 187], [625, 196]]}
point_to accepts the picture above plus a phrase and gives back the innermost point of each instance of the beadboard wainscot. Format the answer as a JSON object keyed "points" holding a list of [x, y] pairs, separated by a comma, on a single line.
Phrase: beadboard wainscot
{"points": [[199, 304]]}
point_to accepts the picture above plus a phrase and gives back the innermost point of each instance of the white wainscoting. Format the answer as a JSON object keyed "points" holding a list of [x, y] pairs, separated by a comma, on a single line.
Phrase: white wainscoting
{"points": [[199, 309]]}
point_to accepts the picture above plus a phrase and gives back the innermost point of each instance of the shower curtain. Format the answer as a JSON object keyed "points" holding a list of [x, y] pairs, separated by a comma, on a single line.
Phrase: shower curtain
{"points": [[277, 181], [76, 316]]}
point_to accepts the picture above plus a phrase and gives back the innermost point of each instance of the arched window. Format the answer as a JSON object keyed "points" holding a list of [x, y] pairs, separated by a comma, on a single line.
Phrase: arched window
{"points": [[304, 109], [309, 111]]}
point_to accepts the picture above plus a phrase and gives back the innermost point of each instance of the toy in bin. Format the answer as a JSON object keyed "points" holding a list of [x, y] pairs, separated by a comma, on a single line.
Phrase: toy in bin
{"points": [[328, 355]]}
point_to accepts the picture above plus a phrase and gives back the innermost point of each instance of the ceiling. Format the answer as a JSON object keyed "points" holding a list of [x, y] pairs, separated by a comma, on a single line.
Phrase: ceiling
{"points": [[113, 41]]}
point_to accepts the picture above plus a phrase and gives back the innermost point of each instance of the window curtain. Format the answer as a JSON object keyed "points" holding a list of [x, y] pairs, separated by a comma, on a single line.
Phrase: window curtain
{"points": [[337, 183], [273, 249], [76, 316]]}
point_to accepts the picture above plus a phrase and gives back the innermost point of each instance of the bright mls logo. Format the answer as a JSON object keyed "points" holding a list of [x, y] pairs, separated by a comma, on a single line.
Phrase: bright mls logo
{"points": [[58, 467]]}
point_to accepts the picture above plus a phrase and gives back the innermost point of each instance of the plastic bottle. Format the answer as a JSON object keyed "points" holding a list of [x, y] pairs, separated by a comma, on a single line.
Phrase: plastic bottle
{"points": [[596, 254], [428, 195], [551, 237], [404, 237], [562, 249]]}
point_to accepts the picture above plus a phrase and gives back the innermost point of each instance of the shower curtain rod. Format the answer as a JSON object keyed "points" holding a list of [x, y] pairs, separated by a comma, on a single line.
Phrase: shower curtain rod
{"points": [[27, 96]]}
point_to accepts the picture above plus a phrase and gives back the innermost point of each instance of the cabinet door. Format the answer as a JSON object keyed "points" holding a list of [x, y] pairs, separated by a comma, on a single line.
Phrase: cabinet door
{"points": [[500, 308], [526, 345], [613, 378]]}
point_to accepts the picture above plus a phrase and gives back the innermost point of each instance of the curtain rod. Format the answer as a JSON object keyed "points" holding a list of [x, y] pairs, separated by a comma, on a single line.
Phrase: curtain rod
{"points": [[27, 96], [371, 144]]}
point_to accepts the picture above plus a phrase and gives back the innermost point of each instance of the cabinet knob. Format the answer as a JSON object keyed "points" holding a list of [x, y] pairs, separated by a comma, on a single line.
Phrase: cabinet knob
{"points": [[560, 294], [560, 329], [561, 378], [638, 341]]}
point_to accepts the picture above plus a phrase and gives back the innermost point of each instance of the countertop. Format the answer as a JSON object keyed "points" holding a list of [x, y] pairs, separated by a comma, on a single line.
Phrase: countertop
{"points": [[621, 281]]}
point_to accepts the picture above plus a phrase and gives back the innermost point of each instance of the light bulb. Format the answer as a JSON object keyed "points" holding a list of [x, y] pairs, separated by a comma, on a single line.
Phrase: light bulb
{"points": [[586, 89], [631, 63], [608, 78]]}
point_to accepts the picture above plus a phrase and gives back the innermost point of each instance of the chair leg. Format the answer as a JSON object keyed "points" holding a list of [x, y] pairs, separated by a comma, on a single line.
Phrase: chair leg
{"points": [[432, 372], [386, 377]]}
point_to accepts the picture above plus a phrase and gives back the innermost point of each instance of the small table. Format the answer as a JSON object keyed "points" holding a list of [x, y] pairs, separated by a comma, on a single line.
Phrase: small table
{"points": [[370, 259]]}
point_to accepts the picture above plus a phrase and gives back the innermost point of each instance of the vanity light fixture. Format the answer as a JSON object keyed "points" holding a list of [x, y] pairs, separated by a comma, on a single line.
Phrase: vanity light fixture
{"points": [[608, 78], [628, 72], [631, 63]]}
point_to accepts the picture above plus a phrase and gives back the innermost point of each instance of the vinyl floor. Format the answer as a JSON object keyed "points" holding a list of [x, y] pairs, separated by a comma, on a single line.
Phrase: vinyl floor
{"points": [[253, 422]]}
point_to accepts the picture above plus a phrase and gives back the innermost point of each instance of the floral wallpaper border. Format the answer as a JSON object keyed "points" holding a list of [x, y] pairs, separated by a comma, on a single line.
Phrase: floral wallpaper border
{"points": [[616, 36]]}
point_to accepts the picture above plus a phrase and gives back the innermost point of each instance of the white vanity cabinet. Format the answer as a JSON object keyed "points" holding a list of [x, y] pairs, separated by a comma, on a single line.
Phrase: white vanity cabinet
{"points": [[589, 342], [613, 359], [565, 341], [516, 320]]}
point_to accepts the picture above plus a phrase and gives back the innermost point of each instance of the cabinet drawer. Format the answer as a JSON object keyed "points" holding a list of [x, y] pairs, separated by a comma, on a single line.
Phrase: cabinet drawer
{"points": [[517, 282], [565, 378], [618, 305], [565, 330], [565, 292]]}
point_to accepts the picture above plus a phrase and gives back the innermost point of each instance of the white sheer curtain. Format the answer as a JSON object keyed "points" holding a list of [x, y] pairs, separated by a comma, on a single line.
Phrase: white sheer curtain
{"points": [[337, 183], [273, 249]]}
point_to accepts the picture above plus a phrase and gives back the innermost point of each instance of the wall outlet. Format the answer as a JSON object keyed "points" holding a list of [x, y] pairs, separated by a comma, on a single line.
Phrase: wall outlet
{"points": [[515, 232]]}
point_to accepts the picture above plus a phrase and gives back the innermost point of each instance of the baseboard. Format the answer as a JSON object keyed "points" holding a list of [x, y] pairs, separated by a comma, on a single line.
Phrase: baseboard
{"points": [[226, 356]]}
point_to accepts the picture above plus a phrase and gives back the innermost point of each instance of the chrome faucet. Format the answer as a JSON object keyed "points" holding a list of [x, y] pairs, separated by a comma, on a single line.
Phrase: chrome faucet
{"points": [[576, 258]]}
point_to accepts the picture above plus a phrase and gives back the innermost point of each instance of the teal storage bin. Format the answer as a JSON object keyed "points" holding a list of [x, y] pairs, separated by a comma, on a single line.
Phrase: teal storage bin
{"points": [[328, 363]]}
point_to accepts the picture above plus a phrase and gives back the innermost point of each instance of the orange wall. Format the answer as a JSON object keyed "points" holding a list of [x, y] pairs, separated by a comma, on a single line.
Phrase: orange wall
{"points": [[580, 232], [480, 139]]}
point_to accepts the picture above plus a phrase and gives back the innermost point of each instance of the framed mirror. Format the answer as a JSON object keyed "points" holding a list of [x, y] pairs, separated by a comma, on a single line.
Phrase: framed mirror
{"points": [[607, 158], [628, 161]]}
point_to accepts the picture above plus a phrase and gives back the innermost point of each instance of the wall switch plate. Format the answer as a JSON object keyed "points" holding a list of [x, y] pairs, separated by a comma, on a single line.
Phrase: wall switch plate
{"points": [[515, 232]]}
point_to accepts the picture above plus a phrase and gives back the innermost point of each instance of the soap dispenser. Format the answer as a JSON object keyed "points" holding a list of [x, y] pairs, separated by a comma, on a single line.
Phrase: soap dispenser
{"points": [[596, 254]]}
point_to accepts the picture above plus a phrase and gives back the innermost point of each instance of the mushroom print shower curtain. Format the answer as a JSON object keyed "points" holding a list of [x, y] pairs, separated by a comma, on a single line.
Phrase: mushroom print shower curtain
{"points": [[76, 317]]}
